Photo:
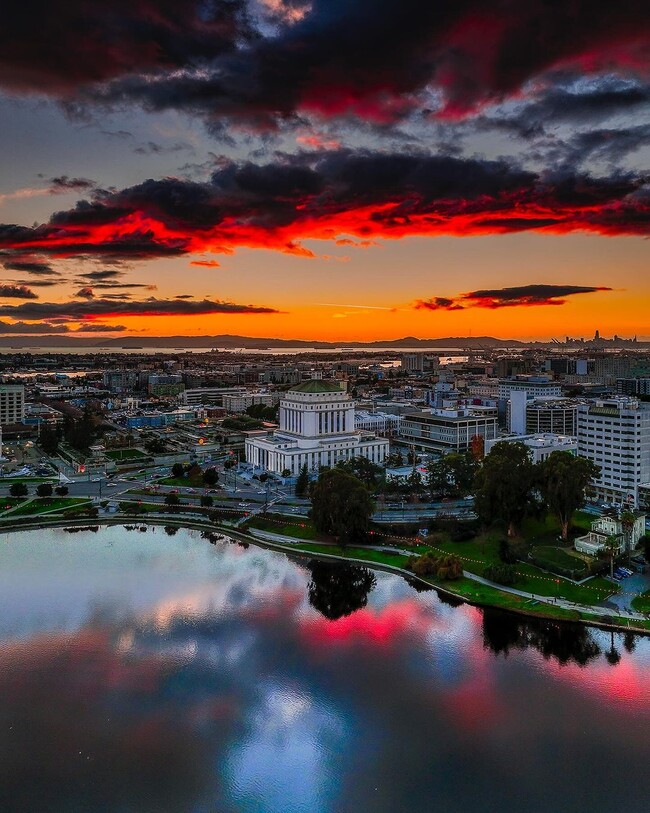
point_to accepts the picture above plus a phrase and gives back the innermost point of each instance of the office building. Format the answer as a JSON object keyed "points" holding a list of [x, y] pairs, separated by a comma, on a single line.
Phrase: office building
{"points": [[448, 430]]}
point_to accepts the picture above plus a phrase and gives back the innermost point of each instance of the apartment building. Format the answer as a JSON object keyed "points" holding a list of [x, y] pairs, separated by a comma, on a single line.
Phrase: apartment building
{"points": [[12, 403], [615, 435]]}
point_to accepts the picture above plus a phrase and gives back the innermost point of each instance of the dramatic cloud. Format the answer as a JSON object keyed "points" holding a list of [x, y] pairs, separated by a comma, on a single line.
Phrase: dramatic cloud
{"points": [[520, 295], [330, 57], [332, 196], [57, 48], [16, 292], [78, 310]]}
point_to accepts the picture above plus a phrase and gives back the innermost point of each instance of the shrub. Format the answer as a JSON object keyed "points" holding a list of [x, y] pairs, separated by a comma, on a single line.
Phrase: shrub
{"points": [[62, 491], [44, 490], [18, 490], [501, 574]]}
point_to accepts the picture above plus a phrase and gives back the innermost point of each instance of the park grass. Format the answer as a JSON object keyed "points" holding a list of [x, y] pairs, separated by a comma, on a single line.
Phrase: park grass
{"points": [[49, 505], [124, 454], [642, 602], [277, 524], [560, 557], [479, 553], [10, 502]]}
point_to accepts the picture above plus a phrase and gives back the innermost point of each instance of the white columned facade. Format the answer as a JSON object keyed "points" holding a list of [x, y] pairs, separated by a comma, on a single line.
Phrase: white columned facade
{"points": [[317, 428]]}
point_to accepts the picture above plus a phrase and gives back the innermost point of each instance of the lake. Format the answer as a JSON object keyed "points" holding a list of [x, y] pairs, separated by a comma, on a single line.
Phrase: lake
{"points": [[155, 671]]}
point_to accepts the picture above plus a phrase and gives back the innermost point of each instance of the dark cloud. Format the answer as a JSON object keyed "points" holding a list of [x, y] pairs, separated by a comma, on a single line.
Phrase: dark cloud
{"points": [[570, 103], [63, 184], [16, 292], [515, 296], [102, 274], [96, 308], [56, 48], [38, 283], [373, 60], [28, 267], [330, 57], [85, 293], [97, 328], [330, 194], [27, 328]]}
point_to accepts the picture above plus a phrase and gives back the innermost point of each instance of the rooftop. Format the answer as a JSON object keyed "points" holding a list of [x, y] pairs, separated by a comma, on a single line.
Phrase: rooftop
{"points": [[316, 385]]}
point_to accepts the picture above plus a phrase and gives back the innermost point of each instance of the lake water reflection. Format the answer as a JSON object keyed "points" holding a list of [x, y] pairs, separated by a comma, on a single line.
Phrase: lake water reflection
{"points": [[153, 672]]}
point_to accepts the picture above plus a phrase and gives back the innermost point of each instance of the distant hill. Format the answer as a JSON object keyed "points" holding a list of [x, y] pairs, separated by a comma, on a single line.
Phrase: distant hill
{"points": [[228, 341]]}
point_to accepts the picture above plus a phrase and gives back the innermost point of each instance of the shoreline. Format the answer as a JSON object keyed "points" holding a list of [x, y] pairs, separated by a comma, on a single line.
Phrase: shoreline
{"points": [[542, 610]]}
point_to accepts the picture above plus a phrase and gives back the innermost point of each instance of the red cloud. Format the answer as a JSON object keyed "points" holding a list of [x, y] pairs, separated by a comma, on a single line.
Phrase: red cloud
{"points": [[333, 196]]}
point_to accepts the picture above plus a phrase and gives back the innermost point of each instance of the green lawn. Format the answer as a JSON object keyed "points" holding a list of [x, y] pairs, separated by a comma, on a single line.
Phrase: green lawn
{"points": [[42, 505], [124, 454], [482, 551], [9, 502], [275, 524], [560, 557], [642, 602]]}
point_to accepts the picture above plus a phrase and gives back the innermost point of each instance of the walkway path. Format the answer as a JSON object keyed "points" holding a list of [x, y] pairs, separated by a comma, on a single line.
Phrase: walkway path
{"points": [[550, 600]]}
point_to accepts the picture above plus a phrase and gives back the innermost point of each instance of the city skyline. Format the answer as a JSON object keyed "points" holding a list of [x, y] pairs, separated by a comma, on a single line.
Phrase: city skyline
{"points": [[328, 170]]}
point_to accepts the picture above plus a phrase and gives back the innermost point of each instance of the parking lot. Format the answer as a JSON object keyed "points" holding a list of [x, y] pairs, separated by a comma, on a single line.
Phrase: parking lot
{"points": [[630, 587]]}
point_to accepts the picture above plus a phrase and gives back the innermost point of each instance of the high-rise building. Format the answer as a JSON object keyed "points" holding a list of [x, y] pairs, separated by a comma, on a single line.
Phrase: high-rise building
{"points": [[615, 435], [12, 403], [317, 428]]}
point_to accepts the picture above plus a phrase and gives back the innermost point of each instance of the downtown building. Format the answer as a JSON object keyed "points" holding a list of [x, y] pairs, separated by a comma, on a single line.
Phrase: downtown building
{"points": [[317, 428], [615, 435], [442, 431]]}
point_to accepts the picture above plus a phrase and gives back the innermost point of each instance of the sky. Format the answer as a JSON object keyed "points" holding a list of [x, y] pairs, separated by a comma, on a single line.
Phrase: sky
{"points": [[333, 169]]}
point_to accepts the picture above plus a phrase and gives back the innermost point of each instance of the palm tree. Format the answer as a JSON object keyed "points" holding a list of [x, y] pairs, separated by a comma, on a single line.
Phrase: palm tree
{"points": [[627, 521], [611, 548]]}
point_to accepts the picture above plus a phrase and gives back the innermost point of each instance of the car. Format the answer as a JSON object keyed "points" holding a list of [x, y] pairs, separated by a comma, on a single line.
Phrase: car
{"points": [[243, 504], [190, 490], [111, 485], [627, 571], [96, 480]]}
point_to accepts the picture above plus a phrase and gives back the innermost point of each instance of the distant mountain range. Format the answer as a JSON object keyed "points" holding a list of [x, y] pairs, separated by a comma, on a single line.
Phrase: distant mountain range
{"points": [[230, 342]]}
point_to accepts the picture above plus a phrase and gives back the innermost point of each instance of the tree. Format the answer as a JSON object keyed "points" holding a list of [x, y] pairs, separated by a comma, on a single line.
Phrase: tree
{"points": [[206, 501], [302, 483], [504, 485], [368, 472], [49, 440], [172, 499], [62, 491], [341, 506], [178, 470], [210, 477], [563, 479], [610, 550], [395, 459], [18, 490], [627, 521], [44, 490], [452, 475], [336, 590], [286, 473]]}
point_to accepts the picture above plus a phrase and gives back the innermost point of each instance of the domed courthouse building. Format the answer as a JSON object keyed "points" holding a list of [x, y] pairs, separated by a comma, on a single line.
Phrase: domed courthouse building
{"points": [[316, 429]]}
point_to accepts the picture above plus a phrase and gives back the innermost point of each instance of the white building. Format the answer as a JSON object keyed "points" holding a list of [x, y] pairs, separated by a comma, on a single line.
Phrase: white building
{"points": [[12, 403], [615, 435], [540, 445], [241, 402], [381, 423], [317, 428], [603, 527], [534, 387], [448, 430]]}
